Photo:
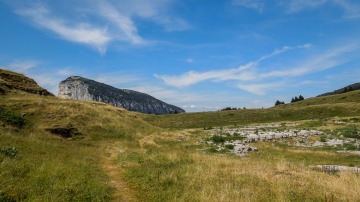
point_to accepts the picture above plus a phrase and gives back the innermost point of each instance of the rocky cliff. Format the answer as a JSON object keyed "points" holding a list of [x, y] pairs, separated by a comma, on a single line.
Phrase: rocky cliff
{"points": [[79, 88]]}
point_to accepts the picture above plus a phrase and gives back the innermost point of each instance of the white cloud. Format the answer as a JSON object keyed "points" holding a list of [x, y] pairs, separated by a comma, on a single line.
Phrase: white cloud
{"points": [[117, 79], [256, 80], [258, 5], [154, 10], [189, 60], [169, 96], [320, 62], [196, 108], [23, 66], [47, 80], [259, 89], [173, 24], [98, 23], [294, 6], [352, 10], [79, 32], [242, 73], [66, 71], [123, 23], [192, 77]]}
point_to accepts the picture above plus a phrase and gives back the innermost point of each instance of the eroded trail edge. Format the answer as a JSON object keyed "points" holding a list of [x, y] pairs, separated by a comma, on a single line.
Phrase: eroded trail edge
{"points": [[116, 174]]}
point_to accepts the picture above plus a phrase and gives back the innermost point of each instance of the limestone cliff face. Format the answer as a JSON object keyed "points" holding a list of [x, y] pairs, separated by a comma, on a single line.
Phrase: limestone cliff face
{"points": [[79, 88]]}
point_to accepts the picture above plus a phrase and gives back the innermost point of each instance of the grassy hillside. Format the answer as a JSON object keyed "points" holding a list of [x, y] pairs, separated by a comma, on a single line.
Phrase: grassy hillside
{"points": [[347, 104], [53, 167], [57, 150], [63, 150]]}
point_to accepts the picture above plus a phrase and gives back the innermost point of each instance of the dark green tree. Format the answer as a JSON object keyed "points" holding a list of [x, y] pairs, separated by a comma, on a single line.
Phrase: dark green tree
{"points": [[279, 102]]}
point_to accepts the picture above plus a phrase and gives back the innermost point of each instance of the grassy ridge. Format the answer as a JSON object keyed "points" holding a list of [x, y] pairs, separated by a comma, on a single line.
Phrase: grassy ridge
{"points": [[347, 104]]}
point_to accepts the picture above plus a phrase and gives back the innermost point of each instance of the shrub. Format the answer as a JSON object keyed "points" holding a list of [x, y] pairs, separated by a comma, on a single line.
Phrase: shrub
{"points": [[229, 146], [351, 132], [322, 139], [350, 147], [212, 150], [11, 118], [4, 197], [217, 139], [10, 152]]}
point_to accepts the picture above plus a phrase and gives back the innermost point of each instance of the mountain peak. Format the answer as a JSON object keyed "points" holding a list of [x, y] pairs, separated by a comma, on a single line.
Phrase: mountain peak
{"points": [[79, 88]]}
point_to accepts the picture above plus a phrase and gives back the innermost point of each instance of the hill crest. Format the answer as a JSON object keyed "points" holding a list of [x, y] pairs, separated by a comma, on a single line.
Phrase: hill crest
{"points": [[10, 81]]}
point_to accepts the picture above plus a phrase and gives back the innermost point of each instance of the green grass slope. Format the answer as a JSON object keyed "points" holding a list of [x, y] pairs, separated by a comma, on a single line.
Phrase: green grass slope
{"points": [[347, 104], [56, 150]]}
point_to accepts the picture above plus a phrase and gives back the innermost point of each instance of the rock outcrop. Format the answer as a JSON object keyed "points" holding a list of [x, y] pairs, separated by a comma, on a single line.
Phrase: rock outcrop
{"points": [[79, 88]]}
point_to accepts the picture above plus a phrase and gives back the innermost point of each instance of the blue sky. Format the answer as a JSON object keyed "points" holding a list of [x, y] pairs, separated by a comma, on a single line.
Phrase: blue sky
{"points": [[199, 55]]}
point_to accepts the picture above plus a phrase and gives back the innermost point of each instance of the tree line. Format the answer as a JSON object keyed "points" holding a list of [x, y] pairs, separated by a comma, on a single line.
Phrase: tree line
{"points": [[294, 99]]}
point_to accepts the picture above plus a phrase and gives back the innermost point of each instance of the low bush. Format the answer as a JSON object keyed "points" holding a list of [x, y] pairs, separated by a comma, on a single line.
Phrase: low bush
{"points": [[212, 150], [10, 152], [11, 117], [229, 146], [322, 139], [217, 139]]}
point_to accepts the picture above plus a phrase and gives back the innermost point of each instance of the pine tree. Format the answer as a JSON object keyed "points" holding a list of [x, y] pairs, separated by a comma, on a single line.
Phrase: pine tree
{"points": [[279, 102], [292, 100], [301, 98]]}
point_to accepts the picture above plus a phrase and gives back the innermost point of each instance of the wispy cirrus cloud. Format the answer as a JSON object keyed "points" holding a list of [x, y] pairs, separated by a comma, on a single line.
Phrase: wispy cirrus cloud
{"points": [[350, 8], [243, 73], [99, 23], [320, 62], [259, 89], [256, 80], [81, 32], [293, 6], [258, 5], [23, 65]]}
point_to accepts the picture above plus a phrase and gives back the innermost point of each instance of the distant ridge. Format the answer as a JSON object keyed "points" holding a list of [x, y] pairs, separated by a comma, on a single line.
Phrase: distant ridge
{"points": [[355, 86], [79, 88]]}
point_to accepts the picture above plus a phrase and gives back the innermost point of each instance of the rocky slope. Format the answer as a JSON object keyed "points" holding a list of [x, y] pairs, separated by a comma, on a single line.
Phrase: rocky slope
{"points": [[79, 88], [10, 81]]}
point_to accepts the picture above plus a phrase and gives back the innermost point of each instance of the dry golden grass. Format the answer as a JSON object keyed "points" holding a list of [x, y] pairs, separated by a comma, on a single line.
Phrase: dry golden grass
{"points": [[180, 170]]}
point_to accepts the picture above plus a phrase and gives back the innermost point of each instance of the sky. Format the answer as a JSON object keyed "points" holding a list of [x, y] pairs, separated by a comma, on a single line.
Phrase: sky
{"points": [[201, 55]]}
